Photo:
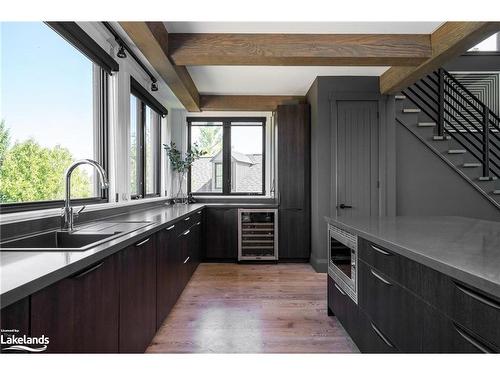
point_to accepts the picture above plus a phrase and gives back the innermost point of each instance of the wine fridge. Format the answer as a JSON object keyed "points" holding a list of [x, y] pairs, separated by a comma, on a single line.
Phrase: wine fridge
{"points": [[257, 234]]}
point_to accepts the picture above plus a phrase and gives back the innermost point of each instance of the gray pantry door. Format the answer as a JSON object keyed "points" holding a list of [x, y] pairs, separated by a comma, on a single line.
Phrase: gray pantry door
{"points": [[357, 158]]}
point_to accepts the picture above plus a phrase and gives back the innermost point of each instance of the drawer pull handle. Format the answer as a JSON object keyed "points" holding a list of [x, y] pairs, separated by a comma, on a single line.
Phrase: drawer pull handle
{"points": [[170, 227], [471, 340], [386, 282], [382, 336], [143, 242], [478, 297], [379, 250], [187, 260], [187, 218], [186, 232], [199, 212], [340, 290], [86, 272]]}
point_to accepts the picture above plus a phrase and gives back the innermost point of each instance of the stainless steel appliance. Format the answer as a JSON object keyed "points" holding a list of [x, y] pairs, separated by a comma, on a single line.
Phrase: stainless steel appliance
{"points": [[257, 234], [343, 260]]}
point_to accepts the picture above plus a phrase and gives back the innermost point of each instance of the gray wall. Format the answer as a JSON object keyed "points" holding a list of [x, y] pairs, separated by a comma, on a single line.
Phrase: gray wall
{"points": [[472, 62], [426, 185], [321, 154]]}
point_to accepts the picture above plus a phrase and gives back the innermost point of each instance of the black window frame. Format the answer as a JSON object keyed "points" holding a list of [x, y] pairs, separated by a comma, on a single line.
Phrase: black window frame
{"points": [[77, 38], [146, 99], [226, 152]]}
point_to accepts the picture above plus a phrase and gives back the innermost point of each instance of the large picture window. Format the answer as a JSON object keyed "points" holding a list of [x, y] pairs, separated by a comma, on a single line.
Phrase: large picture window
{"points": [[53, 112], [233, 160]]}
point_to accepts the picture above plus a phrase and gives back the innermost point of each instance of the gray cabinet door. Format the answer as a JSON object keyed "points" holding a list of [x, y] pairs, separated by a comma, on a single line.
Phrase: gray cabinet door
{"points": [[356, 144]]}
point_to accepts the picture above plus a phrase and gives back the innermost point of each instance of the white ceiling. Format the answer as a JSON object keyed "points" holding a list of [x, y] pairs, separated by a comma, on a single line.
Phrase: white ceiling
{"points": [[268, 80], [304, 27], [284, 80]]}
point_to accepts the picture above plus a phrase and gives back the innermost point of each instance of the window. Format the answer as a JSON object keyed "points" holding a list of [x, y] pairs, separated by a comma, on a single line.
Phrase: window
{"points": [[145, 139], [490, 44], [53, 113], [218, 176], [234, 159]]}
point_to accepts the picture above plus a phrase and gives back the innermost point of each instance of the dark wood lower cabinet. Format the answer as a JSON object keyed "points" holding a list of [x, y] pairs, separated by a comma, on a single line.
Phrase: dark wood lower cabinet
{"points": [[404, 306], [15, 319], [137, 296], [390, 307], [221, 234], [80, 313], [168, 269], [294, 234], [442, 335]]}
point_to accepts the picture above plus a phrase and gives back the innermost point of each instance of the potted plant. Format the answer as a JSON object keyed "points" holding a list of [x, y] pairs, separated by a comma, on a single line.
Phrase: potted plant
{"points": [[181, 165]]}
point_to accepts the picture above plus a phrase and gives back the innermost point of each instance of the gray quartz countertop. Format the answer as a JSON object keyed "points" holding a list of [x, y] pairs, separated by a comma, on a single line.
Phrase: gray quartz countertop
{"points": [[465, 249], [24, 273]]}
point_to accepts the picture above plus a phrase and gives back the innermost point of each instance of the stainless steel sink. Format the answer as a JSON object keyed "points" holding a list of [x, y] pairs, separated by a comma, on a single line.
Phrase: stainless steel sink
{"points": [[83, 238]]}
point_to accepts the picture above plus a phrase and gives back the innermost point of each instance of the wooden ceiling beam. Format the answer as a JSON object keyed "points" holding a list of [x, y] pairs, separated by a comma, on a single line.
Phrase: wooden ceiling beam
{"points": [[245, 102], [448, 41], [299, 49], [152, 40]]}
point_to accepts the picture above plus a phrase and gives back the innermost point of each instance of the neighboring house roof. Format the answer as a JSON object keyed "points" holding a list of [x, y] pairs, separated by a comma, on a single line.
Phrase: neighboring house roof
{"points": [[250, 181], [237, 156], [201, 173]]}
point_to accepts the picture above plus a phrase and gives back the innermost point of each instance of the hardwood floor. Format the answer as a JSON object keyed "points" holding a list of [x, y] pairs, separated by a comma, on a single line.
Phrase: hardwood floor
{"points": [[233, 308]]}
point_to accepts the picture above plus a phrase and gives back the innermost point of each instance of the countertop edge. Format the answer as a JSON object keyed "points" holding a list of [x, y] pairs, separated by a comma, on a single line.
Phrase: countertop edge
{"points": [[461, 275]]}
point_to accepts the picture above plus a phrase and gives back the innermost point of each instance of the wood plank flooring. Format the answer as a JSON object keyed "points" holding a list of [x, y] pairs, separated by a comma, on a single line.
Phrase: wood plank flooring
{"points": [[234, 308]]}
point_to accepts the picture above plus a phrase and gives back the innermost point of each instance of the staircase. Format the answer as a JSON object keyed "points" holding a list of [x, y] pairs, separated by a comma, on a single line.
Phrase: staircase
{"points": [[457, 126]]}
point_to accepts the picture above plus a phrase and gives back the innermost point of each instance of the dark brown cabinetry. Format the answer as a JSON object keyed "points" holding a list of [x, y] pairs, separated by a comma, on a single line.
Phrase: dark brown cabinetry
{"points": [[442, 335], [137, 296], [294, 240], [116, 304], [80, 313], [16, 317], [405, 306], [293, 134], [221, 234], [390, 307], [168, 268]]}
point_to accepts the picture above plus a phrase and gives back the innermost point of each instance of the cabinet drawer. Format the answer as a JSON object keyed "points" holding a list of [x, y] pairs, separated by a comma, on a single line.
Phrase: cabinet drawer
{"points": [[390, 308], [441, 335], [344, 309], [470, 308], [402, 270], [372, 339]]}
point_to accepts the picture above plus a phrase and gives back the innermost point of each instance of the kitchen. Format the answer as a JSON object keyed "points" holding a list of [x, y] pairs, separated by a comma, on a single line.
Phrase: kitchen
{"points": [[211, 198]]}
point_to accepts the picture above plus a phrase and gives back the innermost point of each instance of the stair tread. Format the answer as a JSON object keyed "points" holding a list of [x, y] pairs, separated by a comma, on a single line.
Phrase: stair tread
{"points": [[424, 124]]}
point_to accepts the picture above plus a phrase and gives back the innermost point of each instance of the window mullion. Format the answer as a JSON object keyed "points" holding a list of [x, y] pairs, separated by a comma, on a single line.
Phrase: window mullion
{"points": [[226, 157]]}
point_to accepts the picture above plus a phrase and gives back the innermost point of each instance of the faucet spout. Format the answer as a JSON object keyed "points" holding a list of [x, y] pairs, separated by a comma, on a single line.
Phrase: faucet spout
{"points": [[68, 215]]}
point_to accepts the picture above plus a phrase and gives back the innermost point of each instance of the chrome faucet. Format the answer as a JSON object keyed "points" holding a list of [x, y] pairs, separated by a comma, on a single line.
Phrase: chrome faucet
{"points": [[68, 215]]}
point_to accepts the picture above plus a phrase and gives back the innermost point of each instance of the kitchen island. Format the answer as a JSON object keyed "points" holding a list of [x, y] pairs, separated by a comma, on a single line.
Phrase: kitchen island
{"points": [[424, 284]]}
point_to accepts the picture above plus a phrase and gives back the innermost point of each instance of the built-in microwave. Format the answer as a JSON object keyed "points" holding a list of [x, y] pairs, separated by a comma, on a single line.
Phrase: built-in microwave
{"points": [[343, 260]]}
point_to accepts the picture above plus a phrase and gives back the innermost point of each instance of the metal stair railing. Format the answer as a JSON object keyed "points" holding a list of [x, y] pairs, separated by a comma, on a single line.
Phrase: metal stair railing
{"points": [[460, 114]]}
